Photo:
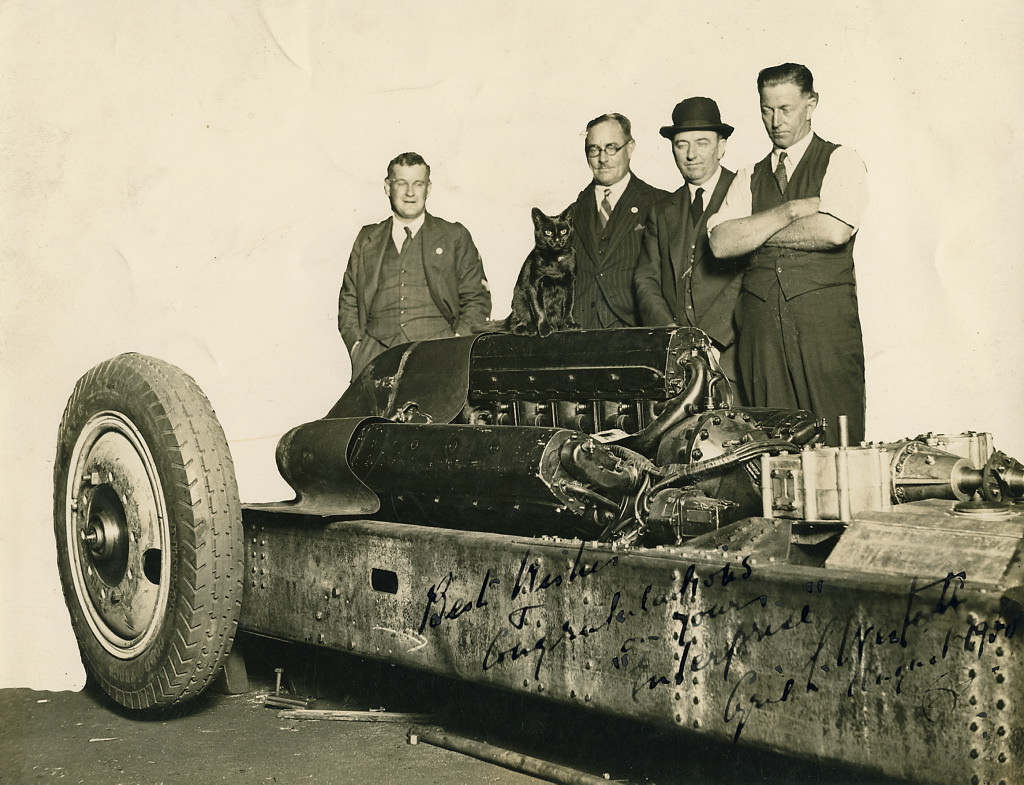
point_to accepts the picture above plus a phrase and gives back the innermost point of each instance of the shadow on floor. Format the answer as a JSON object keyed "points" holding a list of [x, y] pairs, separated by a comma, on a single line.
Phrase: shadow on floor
{"points": [[595, 743]]}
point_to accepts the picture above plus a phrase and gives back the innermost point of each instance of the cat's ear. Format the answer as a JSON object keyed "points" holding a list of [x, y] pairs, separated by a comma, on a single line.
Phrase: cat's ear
{"points": [[538, 216], [567, 213]]}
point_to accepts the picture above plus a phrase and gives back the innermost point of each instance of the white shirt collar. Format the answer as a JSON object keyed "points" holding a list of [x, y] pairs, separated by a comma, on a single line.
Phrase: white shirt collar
{"points": [[616, 190], [793, 153], [709, 186], [398, 227]]}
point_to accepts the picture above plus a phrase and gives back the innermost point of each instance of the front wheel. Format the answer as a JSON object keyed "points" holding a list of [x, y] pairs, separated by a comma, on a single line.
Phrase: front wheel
{"points": [[149, 534]]}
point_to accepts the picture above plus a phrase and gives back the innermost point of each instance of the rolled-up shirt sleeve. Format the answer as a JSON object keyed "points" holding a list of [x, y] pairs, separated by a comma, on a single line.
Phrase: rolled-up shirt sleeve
{"points": [[737, 203], [844, 190]]}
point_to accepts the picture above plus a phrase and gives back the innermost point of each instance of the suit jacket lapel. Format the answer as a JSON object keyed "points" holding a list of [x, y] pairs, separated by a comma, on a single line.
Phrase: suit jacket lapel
{"points": [[431, 241], [625, 216], [676, 226], [719, 194], [584, 218], [717, 197], [374, 259]]}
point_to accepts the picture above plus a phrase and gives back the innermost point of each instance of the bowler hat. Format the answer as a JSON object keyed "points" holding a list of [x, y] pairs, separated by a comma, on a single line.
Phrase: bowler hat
{"points": [[696, 114]]}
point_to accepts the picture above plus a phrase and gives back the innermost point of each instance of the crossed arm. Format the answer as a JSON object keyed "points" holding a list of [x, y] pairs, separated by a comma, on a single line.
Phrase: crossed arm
{"points": [[795, 224]]}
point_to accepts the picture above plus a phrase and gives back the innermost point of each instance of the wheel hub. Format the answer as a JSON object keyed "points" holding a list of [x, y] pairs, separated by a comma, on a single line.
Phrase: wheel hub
{"points": [[117, 518], [105, 534]]}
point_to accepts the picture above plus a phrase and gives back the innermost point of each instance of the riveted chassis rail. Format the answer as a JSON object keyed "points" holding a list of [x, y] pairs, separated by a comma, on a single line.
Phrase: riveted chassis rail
{"points": [[917, 678]]}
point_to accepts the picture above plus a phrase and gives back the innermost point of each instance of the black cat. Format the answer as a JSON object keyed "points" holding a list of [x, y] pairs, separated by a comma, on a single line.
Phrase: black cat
{"points": [[542, 298]]}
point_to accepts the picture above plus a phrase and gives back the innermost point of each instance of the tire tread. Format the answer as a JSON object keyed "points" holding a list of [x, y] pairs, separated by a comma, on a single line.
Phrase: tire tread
{"points": [[202, 499]]}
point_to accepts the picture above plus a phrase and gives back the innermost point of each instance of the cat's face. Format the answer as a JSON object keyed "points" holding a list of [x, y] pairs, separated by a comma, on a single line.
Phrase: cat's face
{"points": [[552, 231]]}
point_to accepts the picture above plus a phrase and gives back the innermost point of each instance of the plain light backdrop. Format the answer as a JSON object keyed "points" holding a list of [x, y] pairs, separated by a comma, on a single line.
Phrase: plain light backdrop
{"points": [[186, 179]]}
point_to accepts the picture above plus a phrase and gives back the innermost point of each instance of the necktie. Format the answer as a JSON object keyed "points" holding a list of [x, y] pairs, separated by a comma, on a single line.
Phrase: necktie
{"points": [[407, 240], [606, 208], [697, 206], [780, 172]]}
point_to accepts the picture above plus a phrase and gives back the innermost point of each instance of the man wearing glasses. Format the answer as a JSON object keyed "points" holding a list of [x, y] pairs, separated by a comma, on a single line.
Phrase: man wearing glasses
{"points": [[609, 217], [413, 276]]}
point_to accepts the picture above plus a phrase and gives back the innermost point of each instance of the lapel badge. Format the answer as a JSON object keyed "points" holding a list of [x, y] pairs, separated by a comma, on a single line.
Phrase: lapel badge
{"points": [[439, 250], [634, 210]]}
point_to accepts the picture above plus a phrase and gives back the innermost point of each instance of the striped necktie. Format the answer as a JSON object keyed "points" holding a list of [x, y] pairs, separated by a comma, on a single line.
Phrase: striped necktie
{"points": [[606, 208], [780, 173]]}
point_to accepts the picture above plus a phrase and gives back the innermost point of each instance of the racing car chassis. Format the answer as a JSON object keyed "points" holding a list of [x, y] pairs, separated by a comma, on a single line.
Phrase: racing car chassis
{"points": [[586, 518]]}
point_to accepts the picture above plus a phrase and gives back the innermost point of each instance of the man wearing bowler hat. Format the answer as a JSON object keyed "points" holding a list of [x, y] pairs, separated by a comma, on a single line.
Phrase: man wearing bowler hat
{"points": [[679, 281]]}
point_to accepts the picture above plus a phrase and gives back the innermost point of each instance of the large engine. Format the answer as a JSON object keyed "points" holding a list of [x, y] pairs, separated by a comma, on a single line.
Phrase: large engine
{"points": [[628, 436]]}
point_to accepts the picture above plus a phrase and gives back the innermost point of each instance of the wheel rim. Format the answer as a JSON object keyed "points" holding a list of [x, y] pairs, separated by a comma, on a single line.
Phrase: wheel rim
{"points": [[118, 535]]}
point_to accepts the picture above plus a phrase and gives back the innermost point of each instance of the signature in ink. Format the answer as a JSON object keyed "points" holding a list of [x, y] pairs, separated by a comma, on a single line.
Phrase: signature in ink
{"points": [[440, 607]]}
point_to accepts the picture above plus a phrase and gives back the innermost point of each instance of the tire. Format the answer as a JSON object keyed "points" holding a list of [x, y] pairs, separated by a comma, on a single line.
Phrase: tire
{"points": [[149, 532]]}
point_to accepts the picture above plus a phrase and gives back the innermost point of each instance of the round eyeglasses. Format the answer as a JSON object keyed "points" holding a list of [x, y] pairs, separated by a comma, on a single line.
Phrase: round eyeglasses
{"points": [[611, 150]]}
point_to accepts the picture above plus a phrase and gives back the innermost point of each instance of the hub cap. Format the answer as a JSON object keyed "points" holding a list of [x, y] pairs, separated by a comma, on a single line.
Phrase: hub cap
{"points": [[118, 535]]}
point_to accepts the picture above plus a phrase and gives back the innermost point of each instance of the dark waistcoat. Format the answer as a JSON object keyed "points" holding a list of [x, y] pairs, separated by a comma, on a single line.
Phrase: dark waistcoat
{"points": [[797, 272]]}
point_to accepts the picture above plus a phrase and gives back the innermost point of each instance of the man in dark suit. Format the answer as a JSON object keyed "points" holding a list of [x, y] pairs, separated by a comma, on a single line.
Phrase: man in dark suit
{"points": [[412, 277], [679, 281], [609, 217]]}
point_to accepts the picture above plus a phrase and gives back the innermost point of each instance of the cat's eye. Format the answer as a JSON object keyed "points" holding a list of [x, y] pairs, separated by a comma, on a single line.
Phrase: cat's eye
{"points": [[562, 231], [547, 232]]}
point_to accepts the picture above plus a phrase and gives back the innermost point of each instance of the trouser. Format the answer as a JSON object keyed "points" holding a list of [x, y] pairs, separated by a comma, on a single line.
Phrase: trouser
{"points": [[804, 353]]}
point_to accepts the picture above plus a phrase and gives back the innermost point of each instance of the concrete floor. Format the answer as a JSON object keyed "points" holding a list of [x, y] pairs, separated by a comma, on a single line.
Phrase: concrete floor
{"points": [[81, 738], [72, 738]]}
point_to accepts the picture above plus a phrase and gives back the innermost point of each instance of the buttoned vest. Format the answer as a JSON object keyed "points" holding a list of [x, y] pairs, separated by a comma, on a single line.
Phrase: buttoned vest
{"points": [[403, 309], [797, 272]]}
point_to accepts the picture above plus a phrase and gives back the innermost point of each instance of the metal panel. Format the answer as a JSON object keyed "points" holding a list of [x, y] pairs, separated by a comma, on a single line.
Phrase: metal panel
{"points": [[431, 374], [922, 538], [919, 678]]}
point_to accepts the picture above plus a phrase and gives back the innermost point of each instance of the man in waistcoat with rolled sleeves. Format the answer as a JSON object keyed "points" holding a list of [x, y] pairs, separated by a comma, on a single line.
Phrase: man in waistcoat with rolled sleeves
{"points": [[411, 277], [797, 213], [609, 216], [679, 281]]}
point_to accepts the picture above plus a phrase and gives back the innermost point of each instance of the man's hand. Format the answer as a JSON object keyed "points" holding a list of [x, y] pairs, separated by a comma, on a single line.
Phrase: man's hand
{"points": [[801, 208], [743, 235], [811, 230]]}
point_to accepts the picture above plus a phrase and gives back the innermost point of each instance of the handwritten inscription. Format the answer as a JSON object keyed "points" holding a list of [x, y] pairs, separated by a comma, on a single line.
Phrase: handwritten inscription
{"points": [[848, 648], [749, 642], [441, 607]]}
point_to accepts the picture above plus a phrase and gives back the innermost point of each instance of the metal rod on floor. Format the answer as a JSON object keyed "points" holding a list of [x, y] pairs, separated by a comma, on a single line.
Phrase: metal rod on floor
{"points": [[510, 760], [352, 716]]}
